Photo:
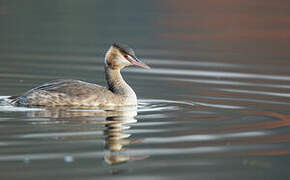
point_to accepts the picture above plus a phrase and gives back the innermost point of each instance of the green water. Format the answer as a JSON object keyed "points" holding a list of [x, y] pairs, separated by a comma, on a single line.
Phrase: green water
{"points": [[215, 104]]}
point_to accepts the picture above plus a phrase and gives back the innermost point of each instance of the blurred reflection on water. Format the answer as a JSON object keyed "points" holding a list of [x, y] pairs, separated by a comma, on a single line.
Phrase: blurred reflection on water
{"points": [[215, 105]]}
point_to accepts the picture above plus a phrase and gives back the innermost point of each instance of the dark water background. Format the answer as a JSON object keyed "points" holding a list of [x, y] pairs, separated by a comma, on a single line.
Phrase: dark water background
{"points": [[215, 105]]}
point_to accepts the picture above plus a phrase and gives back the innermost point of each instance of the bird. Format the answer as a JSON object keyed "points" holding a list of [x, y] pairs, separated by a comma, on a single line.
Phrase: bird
{"points": [[69, 92]]}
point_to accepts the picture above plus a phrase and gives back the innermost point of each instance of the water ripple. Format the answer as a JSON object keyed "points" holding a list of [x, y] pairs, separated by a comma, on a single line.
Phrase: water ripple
{"points": [[215, 74], [205, 137], [256, 92], [232, 83]]}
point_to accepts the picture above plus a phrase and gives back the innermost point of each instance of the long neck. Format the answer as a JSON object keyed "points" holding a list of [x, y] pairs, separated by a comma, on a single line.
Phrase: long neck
{"points": [[116, 83]]}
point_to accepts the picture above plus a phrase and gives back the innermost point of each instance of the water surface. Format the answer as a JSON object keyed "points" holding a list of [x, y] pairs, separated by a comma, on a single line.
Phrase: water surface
{"points": [[215, 104]]}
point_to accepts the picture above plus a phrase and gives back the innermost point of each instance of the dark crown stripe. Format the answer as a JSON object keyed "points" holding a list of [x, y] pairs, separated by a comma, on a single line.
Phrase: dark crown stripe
{"points": [[124, 49]]}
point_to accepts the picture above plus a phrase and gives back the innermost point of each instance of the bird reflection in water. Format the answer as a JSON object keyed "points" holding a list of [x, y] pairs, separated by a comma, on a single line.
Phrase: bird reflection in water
{"points": [[116, 122]]}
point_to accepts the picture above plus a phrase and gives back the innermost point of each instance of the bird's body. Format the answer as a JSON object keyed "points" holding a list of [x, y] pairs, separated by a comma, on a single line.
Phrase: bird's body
{"points": [[79, 93], [73, 93]]}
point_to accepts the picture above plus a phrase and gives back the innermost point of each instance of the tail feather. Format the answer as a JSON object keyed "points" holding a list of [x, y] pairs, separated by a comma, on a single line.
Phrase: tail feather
{"points": [[13, 99]]}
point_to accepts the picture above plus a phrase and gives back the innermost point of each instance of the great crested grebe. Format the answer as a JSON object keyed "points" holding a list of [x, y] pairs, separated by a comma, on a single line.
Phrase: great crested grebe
{"points": [[79, 93]]}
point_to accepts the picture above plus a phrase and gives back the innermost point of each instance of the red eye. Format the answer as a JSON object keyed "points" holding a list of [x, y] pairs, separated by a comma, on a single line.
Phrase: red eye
{"points": [[125, 56]]}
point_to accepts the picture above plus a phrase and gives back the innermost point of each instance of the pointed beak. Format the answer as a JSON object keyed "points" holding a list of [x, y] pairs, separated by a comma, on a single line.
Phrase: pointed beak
{"points": [[135, 61]]}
